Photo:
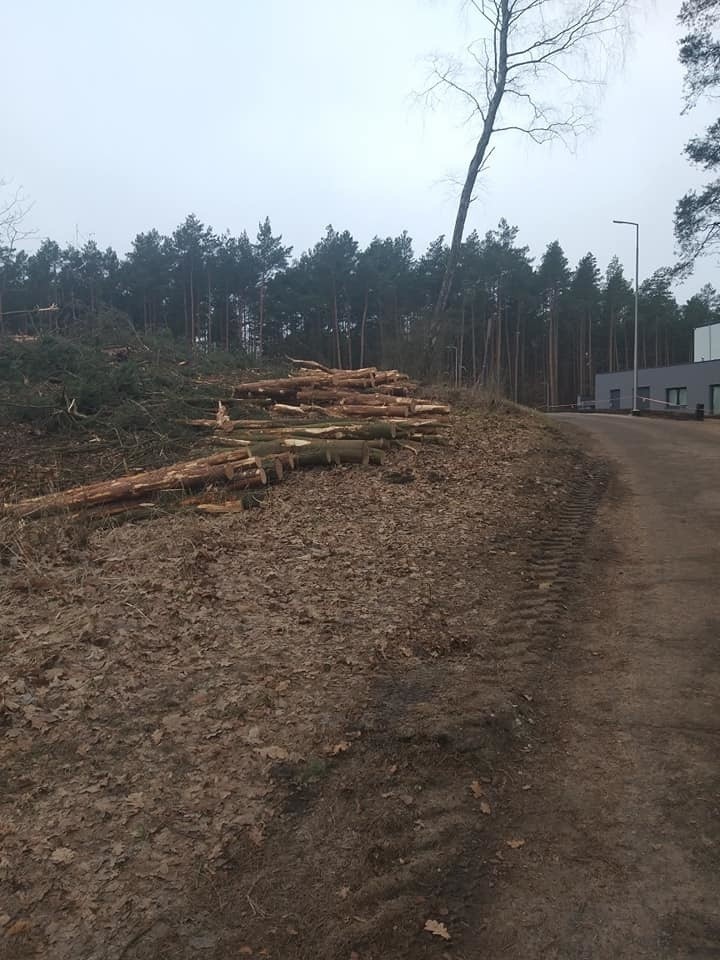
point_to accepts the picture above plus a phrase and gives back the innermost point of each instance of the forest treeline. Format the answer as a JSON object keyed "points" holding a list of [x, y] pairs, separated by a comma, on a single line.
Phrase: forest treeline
{"points": [[537, 330]]}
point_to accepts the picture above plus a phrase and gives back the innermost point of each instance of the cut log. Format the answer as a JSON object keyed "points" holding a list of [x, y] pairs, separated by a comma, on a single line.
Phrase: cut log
{"points": [[421, 426], [427, 408], [228, 506], [247, 501], [284, 385], [401, 389], [369, 412], [350, 431], [313, 456], [275, 469], [341, 396], [181, 476], [289, 410], [436, 438], [310, 365]]}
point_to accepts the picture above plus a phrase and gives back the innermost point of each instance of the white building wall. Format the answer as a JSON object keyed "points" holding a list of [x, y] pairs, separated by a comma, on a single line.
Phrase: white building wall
{"points": [[707, 343]]}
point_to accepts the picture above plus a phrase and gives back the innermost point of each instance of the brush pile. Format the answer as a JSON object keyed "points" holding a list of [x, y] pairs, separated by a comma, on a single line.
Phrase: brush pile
{"points": [[317, 417]]}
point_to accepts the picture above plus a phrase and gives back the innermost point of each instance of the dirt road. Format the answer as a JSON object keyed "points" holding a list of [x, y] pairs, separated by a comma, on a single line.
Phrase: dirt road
{"points": [[622, 826]]}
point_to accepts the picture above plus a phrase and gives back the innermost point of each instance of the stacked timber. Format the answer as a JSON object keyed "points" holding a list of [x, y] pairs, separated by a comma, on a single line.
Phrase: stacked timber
{"points": [[246, 467], [318, 417], [365, 393]]}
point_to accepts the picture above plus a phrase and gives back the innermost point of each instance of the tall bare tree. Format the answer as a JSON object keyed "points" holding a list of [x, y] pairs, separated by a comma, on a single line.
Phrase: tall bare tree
{"points": [[523, 73], [14, 208]]}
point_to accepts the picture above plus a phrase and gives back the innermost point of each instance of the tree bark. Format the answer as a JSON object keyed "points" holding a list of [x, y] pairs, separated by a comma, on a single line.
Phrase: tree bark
{"points": [[363, 323], [184, 476], [261, 317], [476, 162]]}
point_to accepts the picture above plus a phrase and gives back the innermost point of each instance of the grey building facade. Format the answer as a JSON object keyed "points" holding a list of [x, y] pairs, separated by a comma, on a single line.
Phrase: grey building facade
{"points": [[662, 388]]}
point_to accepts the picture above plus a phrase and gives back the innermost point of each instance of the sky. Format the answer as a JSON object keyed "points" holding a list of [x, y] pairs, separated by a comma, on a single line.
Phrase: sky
{"points": [[119, 117]]}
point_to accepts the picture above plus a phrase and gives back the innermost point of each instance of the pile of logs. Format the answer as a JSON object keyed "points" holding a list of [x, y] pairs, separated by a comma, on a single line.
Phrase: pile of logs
{"points": [[363, 414], [368, 392], [246, 467]]}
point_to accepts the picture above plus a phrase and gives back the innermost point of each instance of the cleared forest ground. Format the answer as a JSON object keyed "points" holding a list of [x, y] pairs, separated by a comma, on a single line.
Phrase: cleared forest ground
{"points": [[284, 733]]}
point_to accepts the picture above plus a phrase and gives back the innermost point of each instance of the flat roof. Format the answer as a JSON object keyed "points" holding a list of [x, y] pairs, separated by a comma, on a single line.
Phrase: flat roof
{"points": [[674, 366]]}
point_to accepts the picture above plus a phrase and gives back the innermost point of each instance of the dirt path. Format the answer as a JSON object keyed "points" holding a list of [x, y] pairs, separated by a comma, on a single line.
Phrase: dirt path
{"points": [[622, 826]]}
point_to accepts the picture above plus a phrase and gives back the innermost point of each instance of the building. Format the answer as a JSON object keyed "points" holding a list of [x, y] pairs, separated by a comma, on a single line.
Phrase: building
{"points": [[680, 387]]}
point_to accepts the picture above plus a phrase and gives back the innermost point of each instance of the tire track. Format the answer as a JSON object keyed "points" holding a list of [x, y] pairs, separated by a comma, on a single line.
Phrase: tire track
{"points": [[470, 732]]}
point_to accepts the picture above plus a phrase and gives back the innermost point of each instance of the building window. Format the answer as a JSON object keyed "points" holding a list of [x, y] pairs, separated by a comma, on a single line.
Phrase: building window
{"points": [[715, 398], [643, 398], [676, 397], [614, 399]]}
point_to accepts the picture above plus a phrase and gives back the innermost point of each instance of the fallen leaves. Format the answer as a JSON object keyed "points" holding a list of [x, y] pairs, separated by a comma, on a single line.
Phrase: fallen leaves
{"points": [[515, 844], [272, 753], [477, 789], [437, 929], [62, 855], [176, 745]]}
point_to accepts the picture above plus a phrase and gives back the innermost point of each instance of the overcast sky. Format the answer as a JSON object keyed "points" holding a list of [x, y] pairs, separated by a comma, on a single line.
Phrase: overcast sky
{"points": [[119, 117]]}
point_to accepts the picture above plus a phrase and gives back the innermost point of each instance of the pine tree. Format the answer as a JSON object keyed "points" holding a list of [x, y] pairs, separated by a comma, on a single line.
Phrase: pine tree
{"points": [[270, 256], [553, 279], [697, 215], [584, 306]]}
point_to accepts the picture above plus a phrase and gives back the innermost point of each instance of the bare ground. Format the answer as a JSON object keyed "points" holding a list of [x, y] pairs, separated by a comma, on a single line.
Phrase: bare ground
{"points": [[293, 732]]}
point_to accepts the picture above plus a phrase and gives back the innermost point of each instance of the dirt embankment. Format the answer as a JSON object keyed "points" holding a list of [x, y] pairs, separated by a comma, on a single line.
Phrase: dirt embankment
{"points": [[288, 733]]}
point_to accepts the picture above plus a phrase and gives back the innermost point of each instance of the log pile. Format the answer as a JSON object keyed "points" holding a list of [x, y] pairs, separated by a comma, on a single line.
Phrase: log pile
{"points": [[336, 417], [366, 393]]}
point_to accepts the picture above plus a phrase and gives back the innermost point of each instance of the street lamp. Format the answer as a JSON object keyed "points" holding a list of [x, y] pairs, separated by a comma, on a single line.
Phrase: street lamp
{"points": [[631, 223]]}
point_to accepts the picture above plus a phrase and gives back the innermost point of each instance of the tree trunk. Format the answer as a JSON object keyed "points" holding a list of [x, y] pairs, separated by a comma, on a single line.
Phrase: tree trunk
{"points": [[473, 345], [517, 354], [498, 340], [461, 344], [192, 310], [188, 475], [261, 318], [336, 327], [363, 324], [486, 352], [475, 164]]}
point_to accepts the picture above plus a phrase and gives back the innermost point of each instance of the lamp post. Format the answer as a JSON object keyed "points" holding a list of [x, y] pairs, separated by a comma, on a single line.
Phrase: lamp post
{"points": [[631, 223]]}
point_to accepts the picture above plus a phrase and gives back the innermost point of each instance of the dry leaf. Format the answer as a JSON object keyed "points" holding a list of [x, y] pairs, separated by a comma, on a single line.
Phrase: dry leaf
{"points": [[20, 926], [515, 844], [246, 951], [256, 835], [485, 808], [273, 753], [341, 747], [62, 855], [437, 929], [477, 788]]}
